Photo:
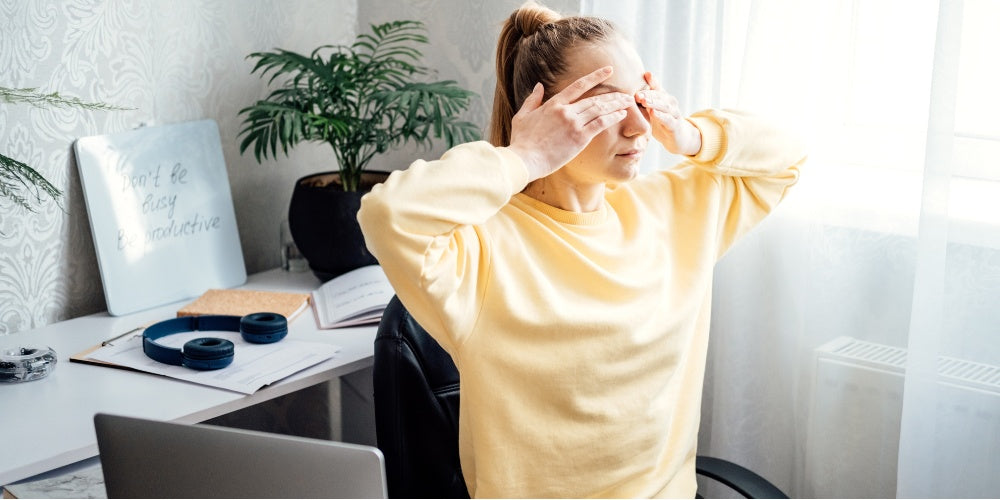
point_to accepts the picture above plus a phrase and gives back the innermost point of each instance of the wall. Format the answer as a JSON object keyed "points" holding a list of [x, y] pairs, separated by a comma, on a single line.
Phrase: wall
{"points": [[179, 61], [172, 62], [462, 39]]}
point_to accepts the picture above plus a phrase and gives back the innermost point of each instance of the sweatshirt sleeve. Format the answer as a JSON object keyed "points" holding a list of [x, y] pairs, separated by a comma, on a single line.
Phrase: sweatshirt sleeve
{"points": [[753, 164], [423, 224]]}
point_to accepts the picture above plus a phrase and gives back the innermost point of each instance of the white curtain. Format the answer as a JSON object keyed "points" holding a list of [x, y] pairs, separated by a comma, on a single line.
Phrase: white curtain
{"points": [[855, 346]]}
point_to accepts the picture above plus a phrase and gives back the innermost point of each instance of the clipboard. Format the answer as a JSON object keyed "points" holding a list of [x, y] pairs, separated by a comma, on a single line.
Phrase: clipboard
{"points": [[254, 365], [84, 355]]}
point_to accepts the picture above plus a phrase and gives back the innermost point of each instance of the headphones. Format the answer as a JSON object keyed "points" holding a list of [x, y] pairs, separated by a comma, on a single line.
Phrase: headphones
{"points": [[210, 353]]}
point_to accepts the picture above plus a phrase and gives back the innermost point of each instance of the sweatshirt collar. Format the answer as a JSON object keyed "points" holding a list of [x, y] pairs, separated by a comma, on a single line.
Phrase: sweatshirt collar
{"points": [[564, 216]]}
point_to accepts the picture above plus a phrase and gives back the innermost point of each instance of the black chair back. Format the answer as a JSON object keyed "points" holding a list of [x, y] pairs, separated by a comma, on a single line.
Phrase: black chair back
{"points": [[416, 409]]}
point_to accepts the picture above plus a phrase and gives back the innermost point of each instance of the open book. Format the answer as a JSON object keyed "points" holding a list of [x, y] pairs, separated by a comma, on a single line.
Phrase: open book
{"points": [[355, 298]]}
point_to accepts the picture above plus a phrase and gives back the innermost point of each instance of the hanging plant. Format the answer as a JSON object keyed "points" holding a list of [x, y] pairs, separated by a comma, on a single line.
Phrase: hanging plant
{"points": [[19, 182]]}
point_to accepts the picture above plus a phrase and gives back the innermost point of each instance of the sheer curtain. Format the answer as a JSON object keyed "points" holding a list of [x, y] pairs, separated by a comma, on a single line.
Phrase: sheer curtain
{"points": [[855, 346]]}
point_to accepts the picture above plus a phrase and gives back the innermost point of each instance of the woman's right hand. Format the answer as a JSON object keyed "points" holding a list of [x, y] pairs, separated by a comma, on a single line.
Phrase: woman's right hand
{"points": [[547, 136]]}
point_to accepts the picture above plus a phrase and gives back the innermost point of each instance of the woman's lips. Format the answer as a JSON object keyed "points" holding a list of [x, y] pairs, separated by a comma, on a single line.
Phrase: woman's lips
{"points": [[632, 153]]}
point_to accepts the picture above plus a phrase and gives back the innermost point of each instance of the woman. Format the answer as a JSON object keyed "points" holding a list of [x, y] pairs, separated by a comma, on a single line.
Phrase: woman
{"points": [[572, 293]]}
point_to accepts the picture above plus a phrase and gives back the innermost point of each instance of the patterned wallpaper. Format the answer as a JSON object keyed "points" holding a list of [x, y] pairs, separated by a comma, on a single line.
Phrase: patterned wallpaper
{"points": [[172, 62], [463, 36], [178, 61]]}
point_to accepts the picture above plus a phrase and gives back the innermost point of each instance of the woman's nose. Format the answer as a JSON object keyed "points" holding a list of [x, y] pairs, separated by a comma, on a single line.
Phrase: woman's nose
{"points": [[636, 122]]}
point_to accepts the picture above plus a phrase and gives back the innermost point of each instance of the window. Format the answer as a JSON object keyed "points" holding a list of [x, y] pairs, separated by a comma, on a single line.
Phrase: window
{"points": [[856, 79]]}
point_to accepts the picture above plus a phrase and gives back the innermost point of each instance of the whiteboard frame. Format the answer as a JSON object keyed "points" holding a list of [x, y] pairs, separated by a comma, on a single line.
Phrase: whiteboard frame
{"points": [[161, 214]]}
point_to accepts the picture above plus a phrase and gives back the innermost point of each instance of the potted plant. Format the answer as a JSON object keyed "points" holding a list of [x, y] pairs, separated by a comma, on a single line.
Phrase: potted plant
{"points": [[360, 99]]}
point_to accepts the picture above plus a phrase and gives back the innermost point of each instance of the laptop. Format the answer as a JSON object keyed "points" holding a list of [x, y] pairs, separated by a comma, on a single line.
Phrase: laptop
{"points": [[152, 459]]}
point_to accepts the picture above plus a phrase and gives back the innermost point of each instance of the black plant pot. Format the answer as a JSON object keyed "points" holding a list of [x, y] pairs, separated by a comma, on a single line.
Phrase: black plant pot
{"points": [[322, 218]]}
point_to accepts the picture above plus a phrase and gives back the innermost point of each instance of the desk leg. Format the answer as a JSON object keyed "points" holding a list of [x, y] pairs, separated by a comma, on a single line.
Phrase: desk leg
{"points": [[357, 408]]}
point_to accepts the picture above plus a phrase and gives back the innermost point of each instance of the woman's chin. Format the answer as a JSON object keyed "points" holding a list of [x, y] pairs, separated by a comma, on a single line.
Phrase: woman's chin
{"points": [[626, 167]]}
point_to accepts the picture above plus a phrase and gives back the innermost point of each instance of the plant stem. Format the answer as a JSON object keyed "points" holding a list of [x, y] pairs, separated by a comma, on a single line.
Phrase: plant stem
{"points": [[40, 100], [16, 177]]}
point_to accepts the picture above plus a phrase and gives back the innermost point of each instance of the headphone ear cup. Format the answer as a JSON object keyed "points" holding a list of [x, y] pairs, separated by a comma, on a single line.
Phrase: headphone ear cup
{"points": [[263, 327], [208, 353]]}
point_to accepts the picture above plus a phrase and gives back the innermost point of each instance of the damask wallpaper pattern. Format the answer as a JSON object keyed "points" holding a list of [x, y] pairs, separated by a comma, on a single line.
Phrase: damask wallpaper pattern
{"points": [[178, 61], [171, 62]]}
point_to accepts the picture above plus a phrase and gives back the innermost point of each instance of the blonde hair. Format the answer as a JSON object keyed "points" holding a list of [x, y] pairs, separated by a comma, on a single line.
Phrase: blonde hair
{"points": [[532, 49]]}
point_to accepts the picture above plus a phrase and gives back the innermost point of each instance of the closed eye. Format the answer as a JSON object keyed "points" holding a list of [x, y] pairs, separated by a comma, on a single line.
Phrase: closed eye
{"points": [[604, 88]]}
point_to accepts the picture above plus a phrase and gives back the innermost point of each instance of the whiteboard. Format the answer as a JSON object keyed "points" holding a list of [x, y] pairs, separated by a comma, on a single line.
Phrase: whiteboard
{"points": [[161, 214]]}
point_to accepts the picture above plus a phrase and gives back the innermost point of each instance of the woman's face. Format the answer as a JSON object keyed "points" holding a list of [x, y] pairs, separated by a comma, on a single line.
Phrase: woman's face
{"points": [[613, 155]]}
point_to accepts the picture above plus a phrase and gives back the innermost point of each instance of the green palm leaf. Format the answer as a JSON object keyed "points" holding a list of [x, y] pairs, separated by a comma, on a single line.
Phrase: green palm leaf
{"points": [[360, 99]]}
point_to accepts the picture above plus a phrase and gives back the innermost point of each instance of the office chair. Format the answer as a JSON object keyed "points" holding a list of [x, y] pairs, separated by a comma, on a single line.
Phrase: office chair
{"points": [[416, 418]]}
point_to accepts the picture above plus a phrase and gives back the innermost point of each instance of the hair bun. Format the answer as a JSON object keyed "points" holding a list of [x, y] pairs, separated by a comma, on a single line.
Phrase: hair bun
{"points": [[531, 16]]}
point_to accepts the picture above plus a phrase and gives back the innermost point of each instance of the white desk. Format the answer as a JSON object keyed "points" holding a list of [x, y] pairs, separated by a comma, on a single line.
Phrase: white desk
{"points": [[48, 423]]}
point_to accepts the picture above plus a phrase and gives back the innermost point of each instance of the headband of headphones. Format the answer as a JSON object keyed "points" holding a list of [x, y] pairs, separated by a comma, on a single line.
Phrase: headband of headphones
{"points": [[208, 353]]}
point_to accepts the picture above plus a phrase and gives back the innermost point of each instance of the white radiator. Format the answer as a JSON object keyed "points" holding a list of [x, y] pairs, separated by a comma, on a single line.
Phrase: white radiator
{"points": [[853, 427]]}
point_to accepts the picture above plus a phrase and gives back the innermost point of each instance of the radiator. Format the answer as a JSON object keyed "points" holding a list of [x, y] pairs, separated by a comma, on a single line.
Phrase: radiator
{"points": [[853, 426]]}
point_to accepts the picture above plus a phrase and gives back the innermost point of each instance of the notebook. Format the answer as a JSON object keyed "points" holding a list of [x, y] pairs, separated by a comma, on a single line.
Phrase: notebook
{"points": [[149, 459]]}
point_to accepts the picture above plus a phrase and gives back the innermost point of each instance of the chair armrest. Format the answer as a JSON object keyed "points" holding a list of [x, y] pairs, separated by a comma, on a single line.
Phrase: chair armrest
{"points": [[742, 480]]}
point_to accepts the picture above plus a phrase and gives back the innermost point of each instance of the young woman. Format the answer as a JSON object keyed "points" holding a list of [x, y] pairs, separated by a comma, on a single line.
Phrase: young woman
{"points": [[572, 293]]}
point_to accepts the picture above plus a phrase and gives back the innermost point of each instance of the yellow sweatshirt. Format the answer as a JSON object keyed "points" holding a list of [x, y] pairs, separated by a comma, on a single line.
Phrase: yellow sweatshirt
{"points": [[580, 338]]}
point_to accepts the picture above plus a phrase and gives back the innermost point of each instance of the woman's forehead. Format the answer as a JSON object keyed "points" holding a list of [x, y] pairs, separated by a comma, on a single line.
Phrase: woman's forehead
{"points": [[616, 52]]}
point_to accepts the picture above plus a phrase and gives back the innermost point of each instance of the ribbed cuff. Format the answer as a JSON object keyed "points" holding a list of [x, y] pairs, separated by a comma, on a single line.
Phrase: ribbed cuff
{"points": [[713, 138], [517, 172]]}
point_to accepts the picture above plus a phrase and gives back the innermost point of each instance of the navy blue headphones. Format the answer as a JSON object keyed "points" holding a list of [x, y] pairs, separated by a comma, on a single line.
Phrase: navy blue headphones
{"points": [[209, 353]]}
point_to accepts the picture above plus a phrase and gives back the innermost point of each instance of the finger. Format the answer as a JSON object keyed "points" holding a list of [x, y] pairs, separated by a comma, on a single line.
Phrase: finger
{"points": [[654, 100], [533, 101], [601, 123], [573, 91], [653, 83], [664, 122], [648, 98], [595, 106]]}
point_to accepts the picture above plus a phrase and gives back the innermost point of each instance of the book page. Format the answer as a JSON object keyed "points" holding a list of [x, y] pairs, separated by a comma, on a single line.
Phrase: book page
{"points": [[353, 298]]}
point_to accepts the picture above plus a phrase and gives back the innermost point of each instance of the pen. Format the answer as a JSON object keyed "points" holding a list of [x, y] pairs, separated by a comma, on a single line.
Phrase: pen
{"points": [[119, 337]]}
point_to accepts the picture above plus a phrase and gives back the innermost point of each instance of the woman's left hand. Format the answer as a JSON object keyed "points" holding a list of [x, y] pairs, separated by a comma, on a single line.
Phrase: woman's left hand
{"points": [[670, 128]]}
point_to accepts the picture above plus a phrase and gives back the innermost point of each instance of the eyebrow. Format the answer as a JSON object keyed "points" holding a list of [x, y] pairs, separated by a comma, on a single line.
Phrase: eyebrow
{"points": [[604, 88]]}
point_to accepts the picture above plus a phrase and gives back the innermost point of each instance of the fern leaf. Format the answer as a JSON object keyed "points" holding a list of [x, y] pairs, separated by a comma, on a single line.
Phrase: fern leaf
{"points": [[16, 178]]}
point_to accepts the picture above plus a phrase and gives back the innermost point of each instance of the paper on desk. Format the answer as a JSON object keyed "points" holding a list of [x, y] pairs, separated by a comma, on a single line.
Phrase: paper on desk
{"points": [[253, 367]]}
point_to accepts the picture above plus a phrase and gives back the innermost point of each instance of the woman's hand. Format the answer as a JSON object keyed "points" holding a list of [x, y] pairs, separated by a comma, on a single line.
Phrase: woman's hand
{"points": [[547, 136], [676, 134]]}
